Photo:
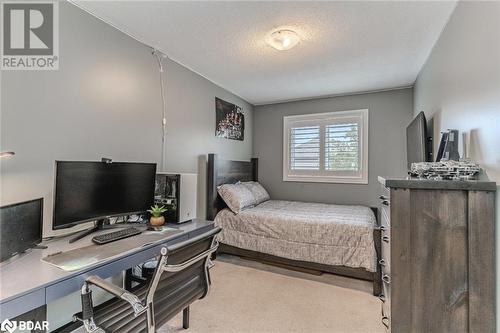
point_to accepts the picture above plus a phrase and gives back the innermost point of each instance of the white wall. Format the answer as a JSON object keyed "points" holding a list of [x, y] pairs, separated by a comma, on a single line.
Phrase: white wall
{"points": [[459, 88], [105, 101]]}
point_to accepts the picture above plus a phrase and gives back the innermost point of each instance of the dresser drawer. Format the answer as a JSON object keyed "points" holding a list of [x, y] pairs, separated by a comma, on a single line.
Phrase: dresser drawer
{"points": [[385, 255], [384, 191], [385, 216], [384, 211], [386, 305]]}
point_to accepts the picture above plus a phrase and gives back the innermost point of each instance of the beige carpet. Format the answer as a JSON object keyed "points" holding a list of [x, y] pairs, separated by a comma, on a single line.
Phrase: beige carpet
{"points": [[250, 297]]}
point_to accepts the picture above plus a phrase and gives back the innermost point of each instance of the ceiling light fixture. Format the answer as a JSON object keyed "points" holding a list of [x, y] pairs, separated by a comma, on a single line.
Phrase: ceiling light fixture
{"points": [[283, 39], [7, 154]]}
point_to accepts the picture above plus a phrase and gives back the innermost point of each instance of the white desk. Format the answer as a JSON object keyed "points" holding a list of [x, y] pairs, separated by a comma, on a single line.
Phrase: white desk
{"points": [[27, 282]]}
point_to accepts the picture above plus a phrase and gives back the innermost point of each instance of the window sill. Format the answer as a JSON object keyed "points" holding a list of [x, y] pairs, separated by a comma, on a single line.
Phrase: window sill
{"points": [[339, 180]]}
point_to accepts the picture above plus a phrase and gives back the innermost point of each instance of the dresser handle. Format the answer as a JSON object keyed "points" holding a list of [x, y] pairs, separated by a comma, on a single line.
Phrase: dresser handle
{"points": [[385, 239], [386, 278], [382, 262], [383, 228], [385, 202], [385, 321], [382, 298], [382, 197]]}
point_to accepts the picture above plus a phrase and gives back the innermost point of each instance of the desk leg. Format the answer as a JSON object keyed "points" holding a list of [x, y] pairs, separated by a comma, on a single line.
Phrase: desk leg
{"points": [[128, 279], [185, 318]]}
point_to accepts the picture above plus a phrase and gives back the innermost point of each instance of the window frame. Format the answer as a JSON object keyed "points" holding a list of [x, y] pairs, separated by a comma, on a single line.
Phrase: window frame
{"points": [[325, 176]]}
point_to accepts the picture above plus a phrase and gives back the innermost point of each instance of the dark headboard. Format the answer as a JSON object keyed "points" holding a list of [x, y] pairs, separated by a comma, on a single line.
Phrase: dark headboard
{"points": [[226, 172]]}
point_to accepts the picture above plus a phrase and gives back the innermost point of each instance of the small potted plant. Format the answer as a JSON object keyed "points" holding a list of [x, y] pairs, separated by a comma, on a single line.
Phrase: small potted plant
{"points": [[157, 218]]}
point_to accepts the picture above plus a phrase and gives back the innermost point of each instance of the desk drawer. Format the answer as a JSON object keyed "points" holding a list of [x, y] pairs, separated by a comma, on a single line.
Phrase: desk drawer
{"points": [[22, 304]]}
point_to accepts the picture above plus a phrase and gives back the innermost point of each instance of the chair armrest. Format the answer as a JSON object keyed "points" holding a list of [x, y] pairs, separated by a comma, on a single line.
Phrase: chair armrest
{"points": [[121, 293], [108, 286]]}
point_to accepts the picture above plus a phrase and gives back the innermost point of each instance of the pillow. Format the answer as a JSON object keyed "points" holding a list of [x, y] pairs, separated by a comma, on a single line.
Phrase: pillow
{"points": [[236, 196], [259, 192]]}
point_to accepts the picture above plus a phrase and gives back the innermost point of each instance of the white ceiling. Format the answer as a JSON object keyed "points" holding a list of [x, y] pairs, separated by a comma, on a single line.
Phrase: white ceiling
{"points": [[346, 47]]}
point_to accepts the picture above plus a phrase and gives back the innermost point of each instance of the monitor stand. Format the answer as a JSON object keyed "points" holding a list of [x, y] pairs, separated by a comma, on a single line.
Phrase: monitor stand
{"points": [[99, 225]]}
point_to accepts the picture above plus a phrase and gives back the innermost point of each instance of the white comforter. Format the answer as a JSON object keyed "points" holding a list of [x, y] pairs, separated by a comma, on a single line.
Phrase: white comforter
{"points": [[326, 234]]}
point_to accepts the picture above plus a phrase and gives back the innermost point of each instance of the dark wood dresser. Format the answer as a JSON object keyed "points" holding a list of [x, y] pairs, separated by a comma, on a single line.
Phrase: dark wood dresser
{"points": [[437, 256]]}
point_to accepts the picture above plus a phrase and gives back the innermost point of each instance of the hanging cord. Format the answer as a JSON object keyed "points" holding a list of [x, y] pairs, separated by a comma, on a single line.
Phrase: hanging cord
{"points": [[158, 56]]}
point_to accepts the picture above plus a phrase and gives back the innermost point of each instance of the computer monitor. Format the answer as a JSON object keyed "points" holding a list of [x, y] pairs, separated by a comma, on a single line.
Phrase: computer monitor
{"points": [[21, 227], [90, 191]]}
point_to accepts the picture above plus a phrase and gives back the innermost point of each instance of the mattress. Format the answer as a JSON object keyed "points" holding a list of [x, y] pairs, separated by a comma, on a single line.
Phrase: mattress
{"points": [[340, 235]]}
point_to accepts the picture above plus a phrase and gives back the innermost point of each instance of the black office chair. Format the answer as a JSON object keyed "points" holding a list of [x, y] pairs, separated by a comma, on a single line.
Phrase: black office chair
{"points": [[181, 277]]}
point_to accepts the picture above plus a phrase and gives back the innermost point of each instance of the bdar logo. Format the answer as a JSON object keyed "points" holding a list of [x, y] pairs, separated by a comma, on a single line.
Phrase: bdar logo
{"points": [[8, 326]]}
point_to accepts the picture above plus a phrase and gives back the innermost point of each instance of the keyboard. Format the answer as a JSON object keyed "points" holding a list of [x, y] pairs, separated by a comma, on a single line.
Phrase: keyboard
{"points": [[116, 235]]}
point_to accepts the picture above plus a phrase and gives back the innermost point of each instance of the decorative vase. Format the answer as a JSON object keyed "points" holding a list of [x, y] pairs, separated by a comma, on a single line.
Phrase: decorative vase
{"points": [[157, 221]]}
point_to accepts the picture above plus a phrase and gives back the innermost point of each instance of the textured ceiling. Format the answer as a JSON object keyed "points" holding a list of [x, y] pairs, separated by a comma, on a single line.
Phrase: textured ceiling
{"points": [[346, 47]]}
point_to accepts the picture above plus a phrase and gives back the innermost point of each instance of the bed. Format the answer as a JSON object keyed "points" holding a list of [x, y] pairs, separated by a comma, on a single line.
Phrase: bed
{"points": [[314, 237]]}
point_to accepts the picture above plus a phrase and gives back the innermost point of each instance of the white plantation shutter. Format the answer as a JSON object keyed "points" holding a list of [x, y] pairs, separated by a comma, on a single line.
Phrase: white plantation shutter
{"points": [[342, 147], [326, 147], [304, 148]]}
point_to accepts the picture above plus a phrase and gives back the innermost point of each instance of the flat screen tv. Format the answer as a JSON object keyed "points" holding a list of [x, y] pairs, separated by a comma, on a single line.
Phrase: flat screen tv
{"points": [[89, 191], [21, 227], [417, 149]]}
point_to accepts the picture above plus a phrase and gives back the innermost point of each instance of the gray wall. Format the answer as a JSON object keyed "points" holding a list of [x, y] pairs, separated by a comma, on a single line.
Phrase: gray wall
{"points": [[459, 87], [389, 114], [105, 101]]}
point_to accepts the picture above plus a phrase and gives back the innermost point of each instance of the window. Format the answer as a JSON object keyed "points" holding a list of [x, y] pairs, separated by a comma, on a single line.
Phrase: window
{"points": [[326, 147]]}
